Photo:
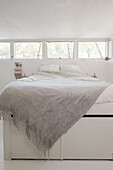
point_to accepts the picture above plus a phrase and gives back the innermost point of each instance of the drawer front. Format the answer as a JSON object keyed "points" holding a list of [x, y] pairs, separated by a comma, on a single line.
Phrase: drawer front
{"points": [[89, 138]]}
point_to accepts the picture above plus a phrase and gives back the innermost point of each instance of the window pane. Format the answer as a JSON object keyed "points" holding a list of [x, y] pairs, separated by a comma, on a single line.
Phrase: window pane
{"points": [[92, 49], [60, 49], [27, 50], [4, 50]]}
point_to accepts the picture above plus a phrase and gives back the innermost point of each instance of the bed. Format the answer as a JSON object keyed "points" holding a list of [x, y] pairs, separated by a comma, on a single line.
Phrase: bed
{"points": [[89, 138]]}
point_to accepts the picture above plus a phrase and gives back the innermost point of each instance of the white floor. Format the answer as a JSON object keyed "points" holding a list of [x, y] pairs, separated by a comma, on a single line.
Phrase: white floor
{"points": [[50, 165]]}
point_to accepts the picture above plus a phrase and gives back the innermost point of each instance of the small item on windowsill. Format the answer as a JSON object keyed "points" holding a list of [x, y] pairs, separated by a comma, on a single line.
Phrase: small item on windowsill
{"points": [[18, 70], [106, 58], [94, 75]]}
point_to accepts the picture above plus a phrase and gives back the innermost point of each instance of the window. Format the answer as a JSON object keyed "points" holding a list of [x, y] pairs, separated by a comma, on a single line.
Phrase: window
{"points": [[27, 50], [92, 49], [60, 50], [4, 50]]}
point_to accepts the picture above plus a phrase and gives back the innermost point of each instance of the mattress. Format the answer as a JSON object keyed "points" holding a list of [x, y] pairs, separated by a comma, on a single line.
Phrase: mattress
{"points": [[101, 109], [104, 104]]}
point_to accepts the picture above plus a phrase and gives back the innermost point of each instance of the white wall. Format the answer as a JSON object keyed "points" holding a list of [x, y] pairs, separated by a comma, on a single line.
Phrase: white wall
{"points": [[90, 66], [110, 70], [6, 72], [110, 63]]}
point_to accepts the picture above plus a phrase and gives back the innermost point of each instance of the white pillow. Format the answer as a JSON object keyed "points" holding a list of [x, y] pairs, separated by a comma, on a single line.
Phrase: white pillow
{"points": [[71, 68], [50, 68]]}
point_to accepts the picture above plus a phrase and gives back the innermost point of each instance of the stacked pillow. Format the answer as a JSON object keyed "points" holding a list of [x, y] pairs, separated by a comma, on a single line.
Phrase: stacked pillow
{"points": [[61, 68], [71, 69], [50, 68]]}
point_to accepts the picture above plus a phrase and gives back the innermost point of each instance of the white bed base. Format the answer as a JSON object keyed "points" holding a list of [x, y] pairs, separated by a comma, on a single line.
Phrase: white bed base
{"points": [[89, 138]]}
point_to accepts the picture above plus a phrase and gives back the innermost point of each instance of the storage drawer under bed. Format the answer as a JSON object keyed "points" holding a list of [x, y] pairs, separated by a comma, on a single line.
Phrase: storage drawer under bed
{"points": [[90, 138]]}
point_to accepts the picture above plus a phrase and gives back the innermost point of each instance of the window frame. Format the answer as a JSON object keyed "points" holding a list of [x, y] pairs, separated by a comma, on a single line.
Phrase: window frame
{"points": [[27, 41], [44, 48], [107, 41], [6, 41], [60, 40]]}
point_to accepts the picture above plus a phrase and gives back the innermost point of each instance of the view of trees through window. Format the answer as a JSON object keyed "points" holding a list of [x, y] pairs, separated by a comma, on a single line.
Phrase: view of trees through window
{"points": [[28, 50], [92, 49], [4, 50], [60, 50], [54, 49]]}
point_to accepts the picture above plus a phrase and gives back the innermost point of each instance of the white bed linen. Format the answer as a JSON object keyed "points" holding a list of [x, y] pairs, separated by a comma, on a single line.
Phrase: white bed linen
{"points": [[105, 97]]}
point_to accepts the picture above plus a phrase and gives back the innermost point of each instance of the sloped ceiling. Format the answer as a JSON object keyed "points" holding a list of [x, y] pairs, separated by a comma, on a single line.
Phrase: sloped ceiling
{"points": [[56, 19]]}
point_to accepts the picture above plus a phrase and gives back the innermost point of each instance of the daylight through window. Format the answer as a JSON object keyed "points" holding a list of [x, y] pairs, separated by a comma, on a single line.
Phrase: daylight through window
{"points": [[27, 50], [60, 50], [5, 50], [92, 49]]}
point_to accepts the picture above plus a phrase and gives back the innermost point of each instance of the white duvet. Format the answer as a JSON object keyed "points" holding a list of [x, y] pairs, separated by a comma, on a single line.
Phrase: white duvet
{"points": [[105, 97]]}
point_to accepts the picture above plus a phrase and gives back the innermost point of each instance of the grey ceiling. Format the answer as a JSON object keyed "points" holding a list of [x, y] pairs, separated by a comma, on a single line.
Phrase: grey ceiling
{"points": [[56, 19]]}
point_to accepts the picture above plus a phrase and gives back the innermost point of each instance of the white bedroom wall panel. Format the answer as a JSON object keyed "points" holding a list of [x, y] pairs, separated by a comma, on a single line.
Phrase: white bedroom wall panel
{"points": [[110, 64], [6, 72], [91, 66], [110, 70]]}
